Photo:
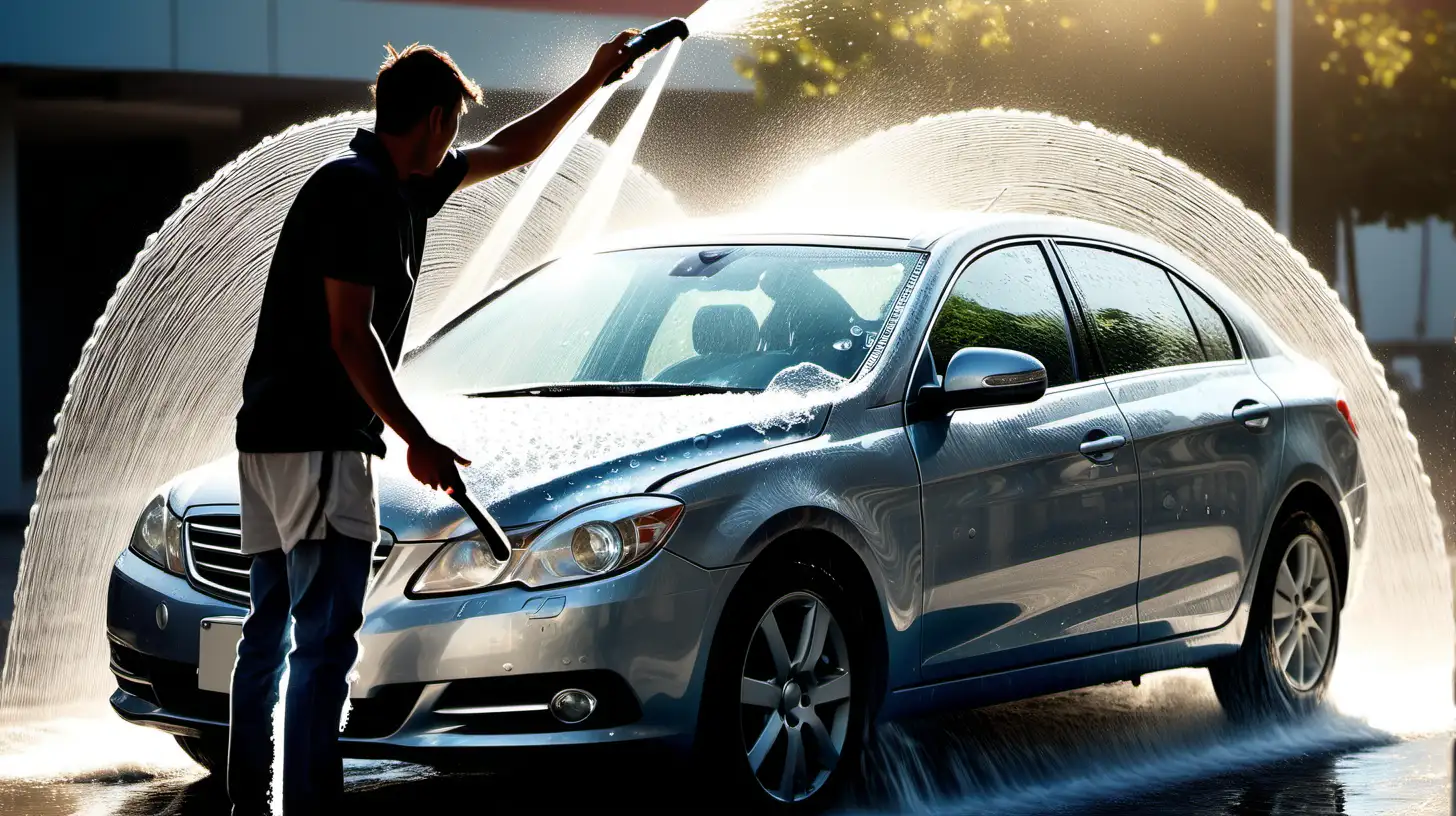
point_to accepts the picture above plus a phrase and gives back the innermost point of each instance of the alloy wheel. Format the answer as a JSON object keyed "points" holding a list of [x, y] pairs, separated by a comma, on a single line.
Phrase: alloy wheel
{"points": [[795, 697], [1304, 612]]}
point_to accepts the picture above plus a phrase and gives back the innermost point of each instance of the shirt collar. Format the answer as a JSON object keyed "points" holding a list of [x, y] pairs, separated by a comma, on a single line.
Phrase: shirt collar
{"points": [[367, 144]]}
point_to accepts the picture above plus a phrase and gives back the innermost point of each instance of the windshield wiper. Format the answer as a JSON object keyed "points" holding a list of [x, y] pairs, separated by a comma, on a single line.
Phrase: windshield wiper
{"points": [[610, 389]]}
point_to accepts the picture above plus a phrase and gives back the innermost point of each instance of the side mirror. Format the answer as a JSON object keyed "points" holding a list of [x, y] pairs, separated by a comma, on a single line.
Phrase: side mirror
{"points": [[984, 377]]}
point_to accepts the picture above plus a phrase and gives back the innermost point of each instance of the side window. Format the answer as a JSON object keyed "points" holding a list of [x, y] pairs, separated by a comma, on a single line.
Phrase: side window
{"points": [[1135, 311], [1218, 344], [1007, 299]]}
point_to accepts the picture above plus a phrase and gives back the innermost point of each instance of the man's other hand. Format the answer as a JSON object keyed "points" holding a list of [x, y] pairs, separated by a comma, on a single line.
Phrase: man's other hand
{"points": [[434, 465]]}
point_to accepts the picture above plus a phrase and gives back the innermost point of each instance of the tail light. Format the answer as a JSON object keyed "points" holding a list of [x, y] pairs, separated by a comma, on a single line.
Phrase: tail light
{"points": [[1344, 409]]}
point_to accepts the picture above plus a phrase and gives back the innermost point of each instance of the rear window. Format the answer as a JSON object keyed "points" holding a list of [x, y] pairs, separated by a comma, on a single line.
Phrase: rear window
{"points": [[1137, 316]]}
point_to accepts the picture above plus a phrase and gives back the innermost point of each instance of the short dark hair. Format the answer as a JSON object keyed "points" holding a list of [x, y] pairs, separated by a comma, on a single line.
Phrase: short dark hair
{"points": [[414, 81]]}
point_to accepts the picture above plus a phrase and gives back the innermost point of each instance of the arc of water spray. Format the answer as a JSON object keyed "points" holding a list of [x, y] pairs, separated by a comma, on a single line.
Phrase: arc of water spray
{"points": [[590, 217], [482, 266]]}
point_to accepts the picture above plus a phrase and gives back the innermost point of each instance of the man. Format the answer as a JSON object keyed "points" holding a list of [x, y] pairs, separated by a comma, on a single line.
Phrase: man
{"points": [[318, 390]]}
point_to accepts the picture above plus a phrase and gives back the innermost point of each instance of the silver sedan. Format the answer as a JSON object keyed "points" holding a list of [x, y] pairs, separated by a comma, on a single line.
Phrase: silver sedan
{"points": [[765, 488]]}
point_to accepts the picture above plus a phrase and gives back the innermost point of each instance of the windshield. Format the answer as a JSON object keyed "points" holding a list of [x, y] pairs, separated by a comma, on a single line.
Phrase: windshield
{"points": [[709, 317]]}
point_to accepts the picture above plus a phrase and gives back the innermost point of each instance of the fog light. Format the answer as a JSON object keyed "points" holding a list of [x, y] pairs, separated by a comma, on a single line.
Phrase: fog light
{"points": [[573, 705]]}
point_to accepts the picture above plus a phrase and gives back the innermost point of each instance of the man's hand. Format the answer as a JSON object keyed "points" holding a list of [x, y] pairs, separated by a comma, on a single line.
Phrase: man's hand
{"points": [[611, 57], [434, 465]]}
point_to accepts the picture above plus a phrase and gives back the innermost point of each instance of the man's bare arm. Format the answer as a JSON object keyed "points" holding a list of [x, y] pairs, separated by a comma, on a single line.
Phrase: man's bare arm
{"points": [[524, 140], [352, 336]]}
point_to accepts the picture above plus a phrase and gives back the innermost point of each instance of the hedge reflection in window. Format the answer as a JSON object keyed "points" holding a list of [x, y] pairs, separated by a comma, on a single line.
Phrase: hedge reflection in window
{"points": [[1138, 318], [1007, 299]]}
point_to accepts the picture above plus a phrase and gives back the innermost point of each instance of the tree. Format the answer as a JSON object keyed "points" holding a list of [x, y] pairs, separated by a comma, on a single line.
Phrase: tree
{"points": [[1376, 79]]}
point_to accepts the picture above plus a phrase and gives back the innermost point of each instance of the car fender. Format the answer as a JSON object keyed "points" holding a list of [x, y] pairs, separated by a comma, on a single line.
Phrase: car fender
{"points": [[860, 487]]}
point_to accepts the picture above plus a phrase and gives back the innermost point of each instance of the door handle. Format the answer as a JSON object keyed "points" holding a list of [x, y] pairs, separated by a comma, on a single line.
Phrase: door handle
{"points": [[1254, 415], [1099, 446]]}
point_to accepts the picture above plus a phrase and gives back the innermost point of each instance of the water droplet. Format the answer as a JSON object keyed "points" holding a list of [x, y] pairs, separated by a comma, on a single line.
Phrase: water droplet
{"points": [[856, 331], [634, 464], [843, 345]]}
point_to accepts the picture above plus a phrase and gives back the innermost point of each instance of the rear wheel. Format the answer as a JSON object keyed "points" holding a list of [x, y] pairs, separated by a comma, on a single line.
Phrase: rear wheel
{"points": [[784, 706], [1289, 650], [209, 752]]}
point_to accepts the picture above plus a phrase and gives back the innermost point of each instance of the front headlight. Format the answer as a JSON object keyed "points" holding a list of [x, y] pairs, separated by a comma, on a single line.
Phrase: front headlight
{"points": [[158, 537], [591, 542]]}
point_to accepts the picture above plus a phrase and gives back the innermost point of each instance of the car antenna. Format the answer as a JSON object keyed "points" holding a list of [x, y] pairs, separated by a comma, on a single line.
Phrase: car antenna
{"points": [[988, 207]]}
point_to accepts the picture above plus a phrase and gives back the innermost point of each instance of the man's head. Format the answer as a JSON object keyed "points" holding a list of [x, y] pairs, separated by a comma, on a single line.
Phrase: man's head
{"points": [[419, 97]]}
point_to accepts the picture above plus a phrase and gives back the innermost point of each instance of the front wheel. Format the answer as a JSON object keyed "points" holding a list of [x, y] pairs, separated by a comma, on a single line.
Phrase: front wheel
{"points": [[789, 678], [209, 752], [1288, 654]]}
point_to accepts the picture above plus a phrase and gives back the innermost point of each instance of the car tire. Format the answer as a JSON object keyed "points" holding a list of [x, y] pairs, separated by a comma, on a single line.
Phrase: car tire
{"points": [[1284, 665], [743, 743], [209, 752]]}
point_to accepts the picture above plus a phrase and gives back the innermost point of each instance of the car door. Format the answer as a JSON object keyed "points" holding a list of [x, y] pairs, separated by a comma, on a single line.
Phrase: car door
{"points": [[1206, 430], [1031, 544]]}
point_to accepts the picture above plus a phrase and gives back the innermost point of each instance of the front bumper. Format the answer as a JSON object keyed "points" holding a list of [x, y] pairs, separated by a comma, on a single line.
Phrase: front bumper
{"points": [[466, 672]]}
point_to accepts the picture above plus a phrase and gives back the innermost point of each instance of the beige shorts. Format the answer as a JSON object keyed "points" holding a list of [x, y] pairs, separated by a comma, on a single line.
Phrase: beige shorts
{"points": [[293, 497]]}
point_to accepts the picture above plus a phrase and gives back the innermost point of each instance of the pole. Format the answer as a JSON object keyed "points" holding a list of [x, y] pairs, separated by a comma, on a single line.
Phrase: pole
{"points": [[1425, 288], [1284, 118]]}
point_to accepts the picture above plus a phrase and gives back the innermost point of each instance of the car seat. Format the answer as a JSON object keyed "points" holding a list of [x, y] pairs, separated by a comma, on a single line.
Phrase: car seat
{"points": [[722, 335]]}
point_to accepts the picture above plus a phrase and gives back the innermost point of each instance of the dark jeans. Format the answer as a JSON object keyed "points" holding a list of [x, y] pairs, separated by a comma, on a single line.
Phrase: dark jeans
{"points": [[321, 583]]}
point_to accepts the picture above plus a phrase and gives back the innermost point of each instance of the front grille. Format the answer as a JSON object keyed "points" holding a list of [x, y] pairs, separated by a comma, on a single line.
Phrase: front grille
{"points": [[215, 560]]}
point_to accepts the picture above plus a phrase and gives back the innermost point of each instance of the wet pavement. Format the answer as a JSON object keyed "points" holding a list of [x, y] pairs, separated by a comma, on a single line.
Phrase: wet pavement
{"points": [[1116, 759], [1409, 777]]}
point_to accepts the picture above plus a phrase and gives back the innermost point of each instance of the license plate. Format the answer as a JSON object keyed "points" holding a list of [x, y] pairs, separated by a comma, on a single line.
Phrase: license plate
{"points": [[217, 652]]}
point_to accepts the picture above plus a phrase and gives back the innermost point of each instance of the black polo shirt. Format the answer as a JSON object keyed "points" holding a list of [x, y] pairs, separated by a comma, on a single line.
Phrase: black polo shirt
{"points": [[353, 221]]}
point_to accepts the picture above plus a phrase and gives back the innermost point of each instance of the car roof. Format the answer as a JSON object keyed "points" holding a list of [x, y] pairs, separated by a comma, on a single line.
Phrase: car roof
{"points": [[896, 229], [880, 229]]}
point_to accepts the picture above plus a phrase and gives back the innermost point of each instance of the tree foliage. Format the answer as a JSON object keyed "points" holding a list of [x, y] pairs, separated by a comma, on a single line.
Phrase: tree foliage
{"points": [[1375, 79]]}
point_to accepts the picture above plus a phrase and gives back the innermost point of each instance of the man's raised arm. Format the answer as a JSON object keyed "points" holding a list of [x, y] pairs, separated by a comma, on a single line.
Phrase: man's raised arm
{"points": [[524, 140]]}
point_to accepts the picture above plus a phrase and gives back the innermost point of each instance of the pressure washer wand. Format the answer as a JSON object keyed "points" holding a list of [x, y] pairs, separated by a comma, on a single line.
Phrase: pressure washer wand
{"points": [[652, 38], [500, 546]]}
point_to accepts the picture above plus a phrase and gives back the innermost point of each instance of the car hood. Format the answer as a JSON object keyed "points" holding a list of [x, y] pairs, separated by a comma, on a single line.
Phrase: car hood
{"points": [[535, 458]]}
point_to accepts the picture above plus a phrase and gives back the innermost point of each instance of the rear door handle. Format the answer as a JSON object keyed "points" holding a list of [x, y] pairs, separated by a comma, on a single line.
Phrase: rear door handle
{"points": [[1099, 446], [1254, 415]]}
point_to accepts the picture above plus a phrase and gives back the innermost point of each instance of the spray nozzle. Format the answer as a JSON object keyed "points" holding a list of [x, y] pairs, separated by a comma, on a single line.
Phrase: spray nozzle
{"points": [[650, 39]]}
